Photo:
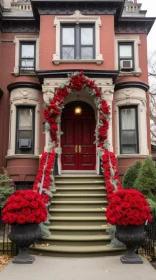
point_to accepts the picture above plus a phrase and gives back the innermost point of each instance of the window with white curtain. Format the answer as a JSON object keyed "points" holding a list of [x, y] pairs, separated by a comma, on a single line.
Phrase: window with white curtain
{"points": [[128, 130]]}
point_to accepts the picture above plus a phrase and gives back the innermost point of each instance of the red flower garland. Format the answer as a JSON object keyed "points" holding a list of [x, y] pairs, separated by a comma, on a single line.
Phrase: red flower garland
{"points": [[116, 205], [112, 180], [24, 207], [47, 170], [128, 207], [76, 82]]}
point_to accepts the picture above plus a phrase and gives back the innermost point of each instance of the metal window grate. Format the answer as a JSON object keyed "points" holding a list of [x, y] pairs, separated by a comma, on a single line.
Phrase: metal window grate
{"points": [[23, 186]]}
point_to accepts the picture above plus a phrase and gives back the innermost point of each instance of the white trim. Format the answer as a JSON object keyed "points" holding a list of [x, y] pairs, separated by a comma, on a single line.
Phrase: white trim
{"points": [[136, 40], [23, 97], [25, 38], [77, 18], [130, 97]]}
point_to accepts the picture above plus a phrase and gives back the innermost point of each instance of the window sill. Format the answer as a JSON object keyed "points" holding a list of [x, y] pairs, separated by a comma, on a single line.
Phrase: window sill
{"points": [[17, 74], [77, 61], [22, 156], [131, 156], [130, 73]]}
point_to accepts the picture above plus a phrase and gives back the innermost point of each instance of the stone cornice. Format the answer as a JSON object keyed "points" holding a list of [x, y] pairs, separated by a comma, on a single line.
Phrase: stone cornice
{"points": [[134, 25], [64, 73], [12, 86], [19, 25], [109, 7], [135, 84]]}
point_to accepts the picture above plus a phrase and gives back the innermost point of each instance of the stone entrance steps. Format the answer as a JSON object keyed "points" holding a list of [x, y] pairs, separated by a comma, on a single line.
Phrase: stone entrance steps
{"points": [[78, 224]]}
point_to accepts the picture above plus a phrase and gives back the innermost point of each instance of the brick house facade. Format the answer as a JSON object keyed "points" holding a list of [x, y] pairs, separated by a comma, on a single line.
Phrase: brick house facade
{"points": [[43, 41]]}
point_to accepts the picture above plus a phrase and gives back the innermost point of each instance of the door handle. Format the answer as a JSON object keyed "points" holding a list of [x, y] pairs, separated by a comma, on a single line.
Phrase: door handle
{"points": [[76, 146], [80, 148]]}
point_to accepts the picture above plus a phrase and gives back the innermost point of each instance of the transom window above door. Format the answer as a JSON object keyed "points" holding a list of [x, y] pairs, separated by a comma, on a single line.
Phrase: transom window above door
{"points": [[77, 42]]}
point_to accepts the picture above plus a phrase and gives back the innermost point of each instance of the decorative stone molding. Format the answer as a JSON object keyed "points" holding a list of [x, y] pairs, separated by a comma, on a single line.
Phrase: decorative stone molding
{"points": [[130, 97], [136, 40], [25, 38], [107, 88], [23, 97], [77, 18]]}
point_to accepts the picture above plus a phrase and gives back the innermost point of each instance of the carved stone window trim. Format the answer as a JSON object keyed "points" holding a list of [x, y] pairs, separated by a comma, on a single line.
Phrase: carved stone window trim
{"points": [[23, 97], [77, 18], [126, 39], [24, 38]]}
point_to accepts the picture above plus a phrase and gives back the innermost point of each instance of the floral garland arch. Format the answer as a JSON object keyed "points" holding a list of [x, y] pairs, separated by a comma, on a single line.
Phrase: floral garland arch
{"points": [[45, 181]]}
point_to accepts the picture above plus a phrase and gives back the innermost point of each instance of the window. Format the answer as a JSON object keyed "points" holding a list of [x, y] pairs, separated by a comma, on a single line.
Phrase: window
{"points": [[25, 130], [27, 57], [126, 56], [23, 186], [77, 42], [128, 130]]}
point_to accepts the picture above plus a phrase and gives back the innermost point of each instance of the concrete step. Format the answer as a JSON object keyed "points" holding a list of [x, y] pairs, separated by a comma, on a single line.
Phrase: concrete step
{"points": [[79, 228], [77, 206], [79, 177], [77, 210], [79, 202], [77, 215], [72, 243], [69, 195], [77, 182], [71, 237], [82, 190], [78, 222], [77, 218], [72, 197], [105, 249]]}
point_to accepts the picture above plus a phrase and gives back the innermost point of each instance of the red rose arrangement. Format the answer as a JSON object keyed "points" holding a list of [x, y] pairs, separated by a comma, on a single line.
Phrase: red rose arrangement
{"points": [[128, 207], [24, 207]]}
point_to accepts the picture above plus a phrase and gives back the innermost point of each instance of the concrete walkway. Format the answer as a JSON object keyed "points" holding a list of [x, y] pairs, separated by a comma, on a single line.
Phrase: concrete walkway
{"points": [[94, 268]]}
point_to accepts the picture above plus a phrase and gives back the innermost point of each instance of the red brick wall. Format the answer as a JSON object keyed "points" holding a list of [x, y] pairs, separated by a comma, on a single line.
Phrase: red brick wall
{"points": [[7, 63], [48, 45]]}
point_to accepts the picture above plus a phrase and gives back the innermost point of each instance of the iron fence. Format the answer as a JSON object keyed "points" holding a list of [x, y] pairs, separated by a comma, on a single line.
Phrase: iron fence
{"points": [[148, 248], [6, 246]]}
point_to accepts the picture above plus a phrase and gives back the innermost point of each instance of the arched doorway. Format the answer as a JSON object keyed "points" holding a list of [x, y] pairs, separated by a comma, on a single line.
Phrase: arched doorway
{"points": [[77, 141]]}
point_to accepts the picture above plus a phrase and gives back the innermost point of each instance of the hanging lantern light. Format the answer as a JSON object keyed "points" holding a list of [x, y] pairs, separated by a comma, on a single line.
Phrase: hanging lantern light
{"points": [[78, 110]]}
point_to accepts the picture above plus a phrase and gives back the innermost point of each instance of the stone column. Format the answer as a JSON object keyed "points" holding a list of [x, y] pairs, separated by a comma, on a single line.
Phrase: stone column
{"points": [[107, 94]]}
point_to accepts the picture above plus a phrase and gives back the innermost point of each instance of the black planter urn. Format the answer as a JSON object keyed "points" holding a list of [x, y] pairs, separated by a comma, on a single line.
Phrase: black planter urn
{"points": [[131, 236], [24, 236]]}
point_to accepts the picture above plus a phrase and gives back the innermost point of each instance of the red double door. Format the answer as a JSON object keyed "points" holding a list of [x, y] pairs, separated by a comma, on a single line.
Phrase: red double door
{"points": [[78, 148]]}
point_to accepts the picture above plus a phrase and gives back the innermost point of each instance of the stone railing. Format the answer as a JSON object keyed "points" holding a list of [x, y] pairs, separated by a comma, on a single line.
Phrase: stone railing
{"points": [[132, 8], [21, 6]]}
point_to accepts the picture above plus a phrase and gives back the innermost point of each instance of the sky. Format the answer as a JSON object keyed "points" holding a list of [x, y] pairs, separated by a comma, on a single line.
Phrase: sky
{"points": [[150, 6]]}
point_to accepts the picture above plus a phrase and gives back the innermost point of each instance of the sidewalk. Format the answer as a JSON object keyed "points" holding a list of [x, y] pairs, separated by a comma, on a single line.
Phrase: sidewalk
{"points": [[94, 268]]}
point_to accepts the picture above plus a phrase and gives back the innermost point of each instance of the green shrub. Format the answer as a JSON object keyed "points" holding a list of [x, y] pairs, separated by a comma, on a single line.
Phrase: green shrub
{"points": [[5, 189], [131, 175], [146, 180], [151, 202]]}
